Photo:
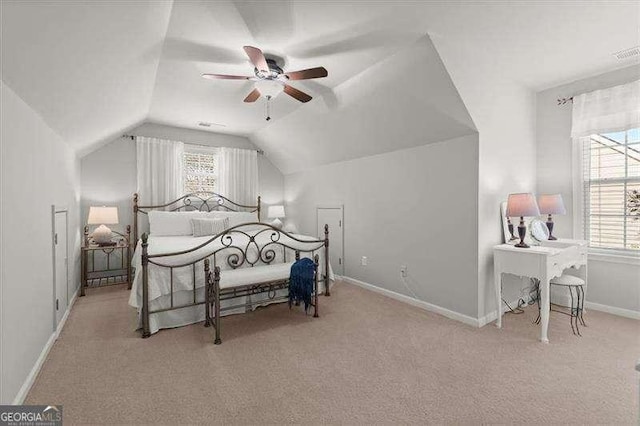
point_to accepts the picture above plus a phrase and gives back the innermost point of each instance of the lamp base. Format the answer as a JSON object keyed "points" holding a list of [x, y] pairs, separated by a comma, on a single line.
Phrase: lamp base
{"points": [[522, 232], [550, 228], [102, 235], [290, 228], [277, 223]]}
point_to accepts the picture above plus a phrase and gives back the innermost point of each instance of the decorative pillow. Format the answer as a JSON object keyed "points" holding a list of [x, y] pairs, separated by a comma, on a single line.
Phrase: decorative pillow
{"points": [[206, 226], [163, 223]]}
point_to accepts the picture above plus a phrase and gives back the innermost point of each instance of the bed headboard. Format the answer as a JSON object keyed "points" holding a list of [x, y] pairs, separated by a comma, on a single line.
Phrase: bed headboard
{"points": [[202, 201]]}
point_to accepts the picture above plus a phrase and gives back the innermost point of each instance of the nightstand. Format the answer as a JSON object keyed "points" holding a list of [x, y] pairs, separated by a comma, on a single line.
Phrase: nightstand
{"points": [[105, 265]]}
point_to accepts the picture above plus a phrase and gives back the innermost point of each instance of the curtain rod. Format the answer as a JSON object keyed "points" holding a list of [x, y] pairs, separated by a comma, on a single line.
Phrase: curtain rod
{"points": [[133, 138], [562, 101]]}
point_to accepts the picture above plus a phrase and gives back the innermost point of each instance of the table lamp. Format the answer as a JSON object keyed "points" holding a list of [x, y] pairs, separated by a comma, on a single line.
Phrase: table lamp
{"points": [[276, 212], [523, 204], [551, 204], [102, 216]]}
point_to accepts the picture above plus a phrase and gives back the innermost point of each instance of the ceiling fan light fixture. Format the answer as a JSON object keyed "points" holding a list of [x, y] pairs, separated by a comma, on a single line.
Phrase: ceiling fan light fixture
{"points": [[269, 88]]}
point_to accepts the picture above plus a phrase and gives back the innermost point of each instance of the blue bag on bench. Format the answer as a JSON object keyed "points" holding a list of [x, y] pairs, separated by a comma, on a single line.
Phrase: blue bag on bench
{"points": [[301, 282]]}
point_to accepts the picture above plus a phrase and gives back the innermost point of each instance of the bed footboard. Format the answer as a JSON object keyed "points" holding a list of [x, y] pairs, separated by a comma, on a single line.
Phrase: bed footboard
{"points": [[234, 248], [146, 332], [327, 291]]}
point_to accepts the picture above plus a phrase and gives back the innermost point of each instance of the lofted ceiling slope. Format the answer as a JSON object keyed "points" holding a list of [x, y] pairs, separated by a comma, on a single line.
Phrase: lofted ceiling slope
{"points": [[95, 69], [88, 68], [208, 37], [378, 111]]}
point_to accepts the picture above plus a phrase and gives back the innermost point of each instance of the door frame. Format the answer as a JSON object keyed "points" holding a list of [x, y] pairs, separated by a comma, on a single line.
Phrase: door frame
{"points": [[54, 211], [341, 233]]}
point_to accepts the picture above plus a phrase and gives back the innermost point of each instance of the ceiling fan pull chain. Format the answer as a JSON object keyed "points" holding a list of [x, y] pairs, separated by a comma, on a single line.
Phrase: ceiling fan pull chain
{"points": [[268, 108]]}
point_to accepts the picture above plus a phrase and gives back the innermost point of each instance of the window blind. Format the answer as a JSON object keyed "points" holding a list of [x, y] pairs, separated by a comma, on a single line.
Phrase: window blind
{"points": [[200, 171], [611, 173]]}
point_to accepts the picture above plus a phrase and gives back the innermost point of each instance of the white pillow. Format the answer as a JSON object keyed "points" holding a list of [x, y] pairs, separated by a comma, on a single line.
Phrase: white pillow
{"points": [[207, 226], [163, 223], [236, 218]]}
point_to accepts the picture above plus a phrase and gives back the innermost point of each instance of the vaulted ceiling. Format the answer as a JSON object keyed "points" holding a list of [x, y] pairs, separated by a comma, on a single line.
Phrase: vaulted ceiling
{"points": [[96, 69]]}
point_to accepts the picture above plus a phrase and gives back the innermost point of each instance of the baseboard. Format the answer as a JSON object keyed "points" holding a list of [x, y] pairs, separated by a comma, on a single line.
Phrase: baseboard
{"points": [[415, 302], [33, 374], [491, 316], [627, 313]]}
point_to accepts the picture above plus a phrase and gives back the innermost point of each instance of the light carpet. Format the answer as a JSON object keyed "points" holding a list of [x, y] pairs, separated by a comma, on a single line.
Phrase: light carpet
{"points": [[368, 359]]}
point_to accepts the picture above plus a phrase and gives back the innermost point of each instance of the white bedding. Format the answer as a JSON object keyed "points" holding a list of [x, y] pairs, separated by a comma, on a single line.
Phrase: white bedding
{"points": [[160, 277]]}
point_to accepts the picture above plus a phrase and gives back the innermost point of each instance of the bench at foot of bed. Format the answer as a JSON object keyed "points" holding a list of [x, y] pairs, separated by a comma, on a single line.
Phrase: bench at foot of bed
{"points": [[245, 282]]}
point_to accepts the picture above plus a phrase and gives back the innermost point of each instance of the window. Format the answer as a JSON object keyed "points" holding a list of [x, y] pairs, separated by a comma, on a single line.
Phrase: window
{"points": [[200, 169], [611, 190]]}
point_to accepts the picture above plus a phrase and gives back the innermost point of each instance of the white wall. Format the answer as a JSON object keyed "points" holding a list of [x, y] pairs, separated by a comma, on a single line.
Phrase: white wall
{"points": [[415, 207], [611, 283], [38, 170], [109, 173], [504, 114], [507, 165]]}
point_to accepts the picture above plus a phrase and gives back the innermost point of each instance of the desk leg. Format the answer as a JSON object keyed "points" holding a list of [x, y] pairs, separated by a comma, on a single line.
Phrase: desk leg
{"points": [[545, 308], [497, 281]]}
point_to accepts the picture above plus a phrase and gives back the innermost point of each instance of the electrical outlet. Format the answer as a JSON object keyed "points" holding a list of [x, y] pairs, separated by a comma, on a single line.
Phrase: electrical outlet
{"points": [[364, 261], [403, 270]]}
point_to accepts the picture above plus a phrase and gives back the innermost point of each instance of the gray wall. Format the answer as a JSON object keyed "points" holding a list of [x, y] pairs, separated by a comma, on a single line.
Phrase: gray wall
{"points": [[611, 282], [109, 173], [38, 170], [416, 207]]}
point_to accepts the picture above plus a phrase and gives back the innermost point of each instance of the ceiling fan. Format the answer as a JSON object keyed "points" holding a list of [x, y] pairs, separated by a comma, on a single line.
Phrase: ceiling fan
{"points": [[270, 79]]}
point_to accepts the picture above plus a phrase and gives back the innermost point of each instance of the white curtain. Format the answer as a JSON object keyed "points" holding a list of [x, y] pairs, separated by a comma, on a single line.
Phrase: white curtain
{"points": [[238, 175], [607, 110], [160, 170]]}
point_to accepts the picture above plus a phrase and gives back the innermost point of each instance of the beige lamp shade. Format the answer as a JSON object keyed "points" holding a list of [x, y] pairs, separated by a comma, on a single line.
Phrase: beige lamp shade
{"points": [[103, 216], [551, 204], [523, 204], [276, 211]]}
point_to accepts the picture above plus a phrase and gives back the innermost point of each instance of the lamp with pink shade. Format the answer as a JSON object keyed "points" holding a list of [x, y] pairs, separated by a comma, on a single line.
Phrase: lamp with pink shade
{"points": [[523, 204], [551, 204]]}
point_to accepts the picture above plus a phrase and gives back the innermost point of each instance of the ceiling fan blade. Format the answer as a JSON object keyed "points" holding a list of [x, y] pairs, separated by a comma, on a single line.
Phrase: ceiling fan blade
{"points": [[257, 58], [224, 77], [295, 93], [253, 96], [318, 72]]}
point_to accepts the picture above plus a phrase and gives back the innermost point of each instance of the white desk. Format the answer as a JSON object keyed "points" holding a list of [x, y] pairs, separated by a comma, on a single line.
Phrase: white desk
{"points": [[543, 262]]}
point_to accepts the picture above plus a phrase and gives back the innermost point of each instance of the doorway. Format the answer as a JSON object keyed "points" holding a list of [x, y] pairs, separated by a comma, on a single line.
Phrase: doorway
{"points": [[60, 263]]}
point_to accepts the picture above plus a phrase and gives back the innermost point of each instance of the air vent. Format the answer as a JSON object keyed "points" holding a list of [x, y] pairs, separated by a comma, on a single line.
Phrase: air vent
{"points": [[207, 124], [627, 53]]}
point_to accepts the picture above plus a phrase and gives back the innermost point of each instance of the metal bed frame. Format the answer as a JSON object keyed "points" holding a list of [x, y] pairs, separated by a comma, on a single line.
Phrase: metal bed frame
{"points": [[202, 201], [234, 253]]}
